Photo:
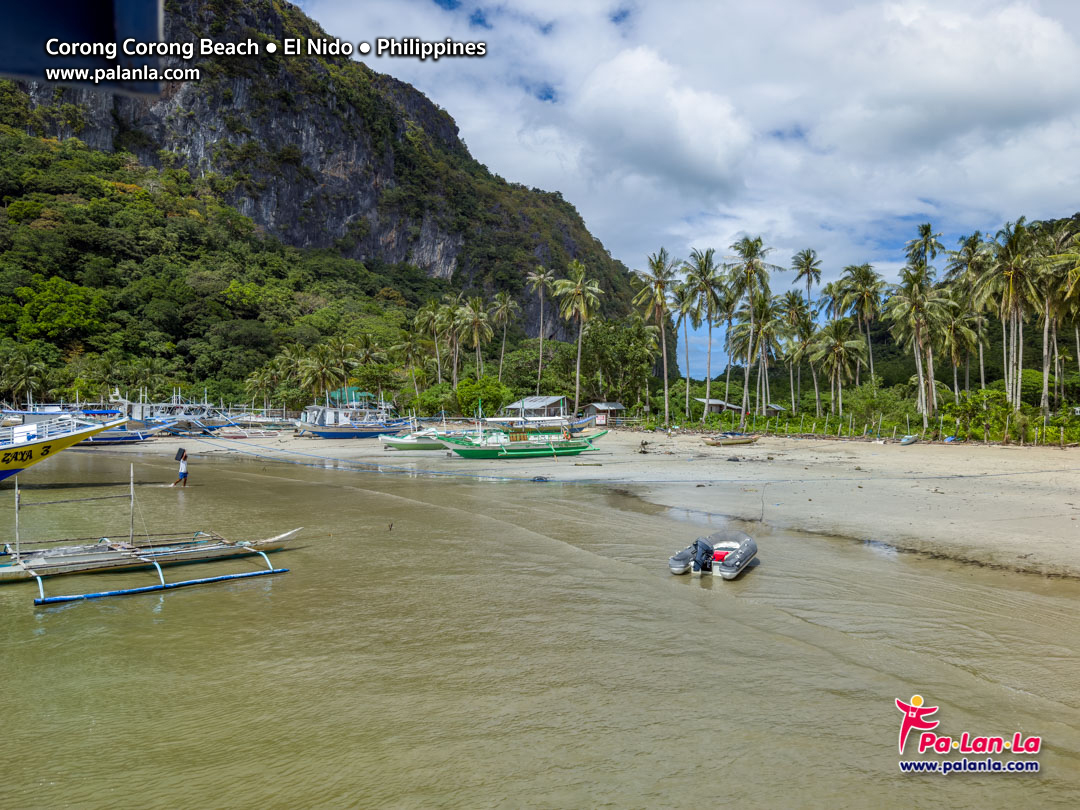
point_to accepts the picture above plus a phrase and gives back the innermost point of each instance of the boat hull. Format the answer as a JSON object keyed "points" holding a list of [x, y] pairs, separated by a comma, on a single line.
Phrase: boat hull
{"points": [[19, 456], [726, 441]]}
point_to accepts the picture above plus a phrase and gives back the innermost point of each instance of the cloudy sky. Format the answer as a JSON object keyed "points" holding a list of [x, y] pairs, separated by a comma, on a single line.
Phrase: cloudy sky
{"points": [[833, 125]]}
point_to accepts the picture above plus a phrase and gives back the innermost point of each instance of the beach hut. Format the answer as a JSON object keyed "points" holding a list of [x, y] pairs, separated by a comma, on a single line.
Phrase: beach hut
{"points": [[718, 405], [774, 410], [537, 408], [605, 412]]}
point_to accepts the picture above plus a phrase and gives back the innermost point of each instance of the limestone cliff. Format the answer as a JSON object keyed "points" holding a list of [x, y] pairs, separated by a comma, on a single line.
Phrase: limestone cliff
{"points": [[324, 152]]}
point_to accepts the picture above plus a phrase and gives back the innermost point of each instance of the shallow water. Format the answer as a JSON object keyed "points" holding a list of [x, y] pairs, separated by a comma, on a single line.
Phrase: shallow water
{"points": [[509, 644]]}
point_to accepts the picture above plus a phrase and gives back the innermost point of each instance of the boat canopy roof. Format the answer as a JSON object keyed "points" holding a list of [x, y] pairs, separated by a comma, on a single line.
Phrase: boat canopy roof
{"points": [[533, 402]]}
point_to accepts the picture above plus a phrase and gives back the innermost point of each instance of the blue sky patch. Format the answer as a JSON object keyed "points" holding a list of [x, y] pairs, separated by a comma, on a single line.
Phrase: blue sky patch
{"points": [[478, 19]]}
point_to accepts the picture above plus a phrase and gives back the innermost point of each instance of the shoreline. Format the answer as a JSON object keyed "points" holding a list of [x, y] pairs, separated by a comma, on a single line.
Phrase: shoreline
{"points": [[1005, 506]]}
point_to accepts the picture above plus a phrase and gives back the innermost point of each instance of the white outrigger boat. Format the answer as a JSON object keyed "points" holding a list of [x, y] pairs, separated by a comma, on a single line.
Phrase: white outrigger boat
{"points": [[96, 555], [426, 439]]}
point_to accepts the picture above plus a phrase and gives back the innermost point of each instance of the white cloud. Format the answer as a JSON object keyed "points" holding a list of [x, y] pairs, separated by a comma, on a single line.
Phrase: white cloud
{"points": [[831, 124]]}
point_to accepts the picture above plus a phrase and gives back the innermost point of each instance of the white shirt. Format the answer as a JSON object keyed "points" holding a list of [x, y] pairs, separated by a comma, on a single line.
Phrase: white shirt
{"points": [[183, 465]]}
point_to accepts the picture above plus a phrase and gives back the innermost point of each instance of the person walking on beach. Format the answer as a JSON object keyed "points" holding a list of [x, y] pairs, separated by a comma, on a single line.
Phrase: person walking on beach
{"points": [[183, 471]]}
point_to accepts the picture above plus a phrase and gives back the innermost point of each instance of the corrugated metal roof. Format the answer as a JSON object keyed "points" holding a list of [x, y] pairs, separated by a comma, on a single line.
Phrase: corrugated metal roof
{"points": [[534, 402], [608, 406], [717, 402]]}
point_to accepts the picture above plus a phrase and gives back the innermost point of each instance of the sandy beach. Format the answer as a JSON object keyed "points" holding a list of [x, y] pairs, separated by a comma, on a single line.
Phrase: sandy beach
{"points": [[1012, 507]]}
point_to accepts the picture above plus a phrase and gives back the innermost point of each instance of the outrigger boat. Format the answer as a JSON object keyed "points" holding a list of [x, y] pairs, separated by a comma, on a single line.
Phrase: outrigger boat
{"points": [[361, 422], [42, 435], [88, 556], [729, 439], [725, 553], [520, 445], [426, 439]]}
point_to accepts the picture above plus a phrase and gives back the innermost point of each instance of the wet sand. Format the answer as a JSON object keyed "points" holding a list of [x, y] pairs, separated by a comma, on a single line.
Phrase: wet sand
{"points": [[1010, 507]]}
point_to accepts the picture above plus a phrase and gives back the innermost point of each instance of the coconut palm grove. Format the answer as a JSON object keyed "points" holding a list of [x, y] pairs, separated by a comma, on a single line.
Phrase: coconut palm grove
{"points": [[118, 275]]}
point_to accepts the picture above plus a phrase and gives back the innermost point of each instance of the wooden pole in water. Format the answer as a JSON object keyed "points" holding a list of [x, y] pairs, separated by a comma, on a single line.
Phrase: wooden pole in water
{"points": [[131, 526], [16, 517]]}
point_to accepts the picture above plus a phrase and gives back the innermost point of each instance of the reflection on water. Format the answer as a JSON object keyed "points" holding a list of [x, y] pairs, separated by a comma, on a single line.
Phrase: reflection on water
{"points": [[460, 643]]}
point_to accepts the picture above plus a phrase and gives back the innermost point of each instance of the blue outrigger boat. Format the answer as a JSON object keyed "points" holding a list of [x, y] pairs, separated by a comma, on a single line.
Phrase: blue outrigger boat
{"points": [[360, 422]]}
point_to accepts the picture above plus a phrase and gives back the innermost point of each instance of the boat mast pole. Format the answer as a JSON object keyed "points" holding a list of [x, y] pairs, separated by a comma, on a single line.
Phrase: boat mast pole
{"points": [[131, 525]]}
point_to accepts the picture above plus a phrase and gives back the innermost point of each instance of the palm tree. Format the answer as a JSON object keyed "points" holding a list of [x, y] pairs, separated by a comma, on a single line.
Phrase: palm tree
{"points": [[917, 310], [793, 310], [450, 324], [925, 247], [705, 281], [805, 331], [657, 281], [292, 362], [964, 268], [502, 311], [540, 281], [839, 347], [727, 304], [579, 296], [368, 352], [427, 320], [863, 290], [688, 305], [751, 275], [411, 352], [1010, 279], [806, 264], [344, 353], [474, 316], [260, 383], [320, 371], [23, 374], [957, 336]]}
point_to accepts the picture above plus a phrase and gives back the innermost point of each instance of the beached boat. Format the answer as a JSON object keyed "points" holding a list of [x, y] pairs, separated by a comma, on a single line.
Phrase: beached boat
{"points": [[359, 422], [38, 436], [513, 445], [729, 439], [179, 414], [43, 559], [906, 440], [725, 553], [93, 555], [125, 435], [426, 439]]}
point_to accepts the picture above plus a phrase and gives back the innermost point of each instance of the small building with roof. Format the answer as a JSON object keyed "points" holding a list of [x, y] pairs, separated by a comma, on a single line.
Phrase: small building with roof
{"points": [[605, 412], [537, 408], [718, 405]]}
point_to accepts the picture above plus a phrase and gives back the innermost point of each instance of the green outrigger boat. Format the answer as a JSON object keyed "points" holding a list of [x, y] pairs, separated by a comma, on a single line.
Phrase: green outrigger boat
{"points": [[497, 446]]}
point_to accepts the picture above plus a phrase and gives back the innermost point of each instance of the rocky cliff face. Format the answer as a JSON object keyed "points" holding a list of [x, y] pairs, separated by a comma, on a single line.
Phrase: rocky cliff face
{"points": [[325, 153]]}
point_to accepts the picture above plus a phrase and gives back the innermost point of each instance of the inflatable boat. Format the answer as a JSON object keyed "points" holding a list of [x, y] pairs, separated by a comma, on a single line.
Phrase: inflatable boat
{"points": [[724, 553]]}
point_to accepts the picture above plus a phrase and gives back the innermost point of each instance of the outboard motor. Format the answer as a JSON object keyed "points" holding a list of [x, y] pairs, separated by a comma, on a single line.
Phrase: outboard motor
{"points": [[697, 555], [703, 555]]}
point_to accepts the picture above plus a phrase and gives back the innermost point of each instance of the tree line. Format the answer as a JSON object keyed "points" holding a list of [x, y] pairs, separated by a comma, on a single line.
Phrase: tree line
{"points": [[1025, 273]]}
